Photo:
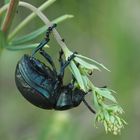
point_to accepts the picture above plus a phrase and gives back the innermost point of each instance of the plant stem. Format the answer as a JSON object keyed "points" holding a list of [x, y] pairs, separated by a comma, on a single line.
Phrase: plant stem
{"points": [[29, 18], [48, 24], [9, 16]]}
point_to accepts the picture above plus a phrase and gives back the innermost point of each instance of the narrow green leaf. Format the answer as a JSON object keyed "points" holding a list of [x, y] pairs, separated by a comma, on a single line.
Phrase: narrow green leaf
{"points": [[77, 75], [85, 64], [119, 120], [123, 121], [85, 81], [115, 108], [30, 36], [106, 93], [105, 125], [95, 101], [62, 18], [112, 119], [102, 116], [21, 47], [106, 115], [81, 56]]}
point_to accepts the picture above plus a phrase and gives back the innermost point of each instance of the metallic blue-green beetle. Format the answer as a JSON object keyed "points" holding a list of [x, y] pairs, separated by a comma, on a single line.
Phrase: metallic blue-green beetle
{"points": [[42, 86]]}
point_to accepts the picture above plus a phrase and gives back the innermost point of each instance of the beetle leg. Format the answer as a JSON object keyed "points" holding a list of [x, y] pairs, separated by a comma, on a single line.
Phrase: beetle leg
{"points": [[73, 79], [48, 58], [60, 57], [45, 41], [40, 46], [61, 74], [49, 30], [88, 106]]}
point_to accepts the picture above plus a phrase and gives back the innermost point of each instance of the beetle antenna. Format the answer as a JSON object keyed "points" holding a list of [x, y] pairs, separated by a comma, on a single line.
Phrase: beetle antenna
{"points": [[89, 107]]}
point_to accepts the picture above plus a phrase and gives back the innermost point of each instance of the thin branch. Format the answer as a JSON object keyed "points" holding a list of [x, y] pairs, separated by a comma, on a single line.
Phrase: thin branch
{"points": [[10, 15]]}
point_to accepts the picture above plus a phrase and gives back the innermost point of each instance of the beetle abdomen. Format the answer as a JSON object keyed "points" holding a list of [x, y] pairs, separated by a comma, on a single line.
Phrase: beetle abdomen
{"points": [[28, 83], [31, 94]]}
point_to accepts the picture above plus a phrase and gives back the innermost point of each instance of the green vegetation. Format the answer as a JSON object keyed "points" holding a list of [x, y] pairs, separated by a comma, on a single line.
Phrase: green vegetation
{"points": [[102, 31]]}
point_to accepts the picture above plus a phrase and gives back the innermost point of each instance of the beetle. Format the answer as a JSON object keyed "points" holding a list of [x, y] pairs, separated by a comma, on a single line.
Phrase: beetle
{"points": [[42, 85]]}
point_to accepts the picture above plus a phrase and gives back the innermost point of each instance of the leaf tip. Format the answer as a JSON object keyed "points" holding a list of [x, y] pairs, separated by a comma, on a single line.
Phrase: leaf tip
{"points": [[70, 16]]}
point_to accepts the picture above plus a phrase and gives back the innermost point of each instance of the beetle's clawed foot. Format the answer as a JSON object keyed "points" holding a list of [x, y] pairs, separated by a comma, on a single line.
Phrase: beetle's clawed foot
{"points": [[71, 57], [61, 53], [49, 30]]}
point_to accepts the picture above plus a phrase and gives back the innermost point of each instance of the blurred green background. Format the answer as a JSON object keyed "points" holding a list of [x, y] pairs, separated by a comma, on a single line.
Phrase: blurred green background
{"points": [[107, 31]]}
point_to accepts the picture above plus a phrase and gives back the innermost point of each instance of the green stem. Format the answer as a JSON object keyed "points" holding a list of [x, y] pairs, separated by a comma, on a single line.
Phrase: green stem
{"points": [[29, 18], [48, 24], [9, 16]]}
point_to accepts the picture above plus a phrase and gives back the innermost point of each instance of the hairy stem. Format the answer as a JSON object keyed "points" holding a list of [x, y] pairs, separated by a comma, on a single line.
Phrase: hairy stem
{"points": [[9, 16], [29, 18]]}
